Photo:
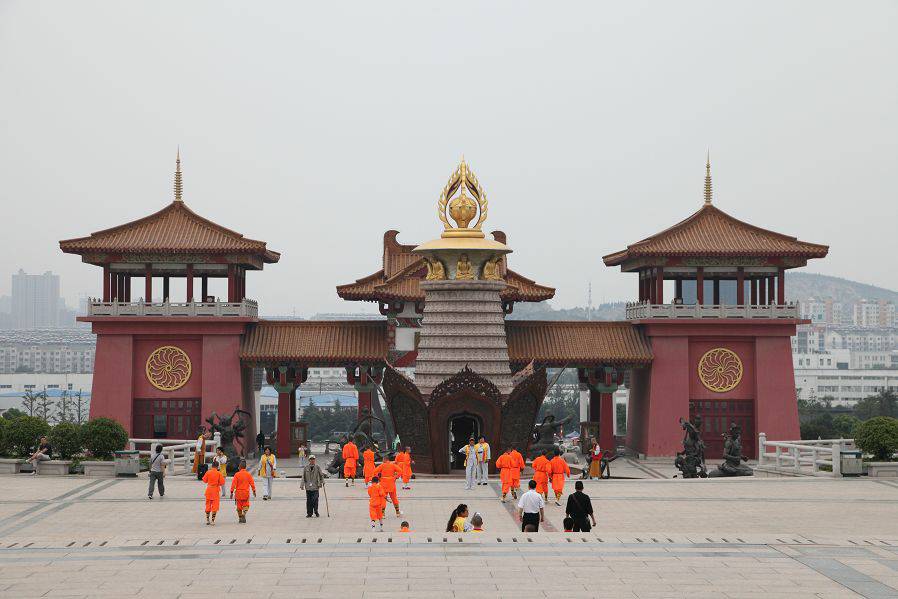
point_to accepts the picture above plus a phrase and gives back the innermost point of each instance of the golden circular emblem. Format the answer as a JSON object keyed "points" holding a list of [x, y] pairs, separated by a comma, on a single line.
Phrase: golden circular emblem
{"points": [[168, 368], [720, 370]]}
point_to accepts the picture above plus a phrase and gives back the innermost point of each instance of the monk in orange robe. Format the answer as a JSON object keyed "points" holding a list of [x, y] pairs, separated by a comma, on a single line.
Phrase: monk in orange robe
{"points": [[541, 470], [350, 461], [368, 465], [376, 502], [516, 473], [404, 461], [388, 472], [507, 467], [240, 486], [214, 482], [560, 470]]}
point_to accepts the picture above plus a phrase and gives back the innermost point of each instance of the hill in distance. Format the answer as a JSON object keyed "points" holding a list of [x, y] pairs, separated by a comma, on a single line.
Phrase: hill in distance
{"points": [[799, 286]]}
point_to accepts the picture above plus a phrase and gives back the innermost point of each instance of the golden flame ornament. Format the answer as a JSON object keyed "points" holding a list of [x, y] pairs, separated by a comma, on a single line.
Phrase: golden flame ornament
{"points": [[168, 368], [462, 208]]}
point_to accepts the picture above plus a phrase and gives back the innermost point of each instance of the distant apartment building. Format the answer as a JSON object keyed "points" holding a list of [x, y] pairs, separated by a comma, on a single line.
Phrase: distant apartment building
{"points": [[47, 351], [874, 314], [861, 339], [821, 311], [829, 375], [35, 301]]}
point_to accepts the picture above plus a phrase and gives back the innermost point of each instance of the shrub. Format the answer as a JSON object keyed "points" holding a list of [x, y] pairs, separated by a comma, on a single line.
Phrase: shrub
{"points": [[4, 445], [878, 437], [103, 436], [65, 438], [23, 435]]}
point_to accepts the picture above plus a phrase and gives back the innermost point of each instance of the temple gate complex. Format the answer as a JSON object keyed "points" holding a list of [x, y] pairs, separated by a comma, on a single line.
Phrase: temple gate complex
{"points": [[719, 348]]}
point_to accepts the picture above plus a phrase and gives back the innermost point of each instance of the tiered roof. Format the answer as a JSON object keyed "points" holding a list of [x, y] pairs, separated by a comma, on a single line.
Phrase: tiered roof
{"points": [[176, 229], [712, 232], [403, 271]]}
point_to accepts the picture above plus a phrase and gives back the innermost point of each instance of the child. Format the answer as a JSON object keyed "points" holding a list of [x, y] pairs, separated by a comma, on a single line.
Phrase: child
{"points": [[376, 502], [404, 527], [214, 481], [220, 461], [568, 524], [240, 486], [476, 523]]}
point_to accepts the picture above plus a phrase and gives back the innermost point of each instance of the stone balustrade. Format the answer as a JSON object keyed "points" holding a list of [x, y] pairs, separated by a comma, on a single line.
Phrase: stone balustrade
{"points": [[247, 308], [646, 310]]}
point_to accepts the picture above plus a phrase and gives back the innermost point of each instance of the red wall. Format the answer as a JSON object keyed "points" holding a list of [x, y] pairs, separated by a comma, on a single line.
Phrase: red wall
{"points": [[660, 395], [123, 345]]}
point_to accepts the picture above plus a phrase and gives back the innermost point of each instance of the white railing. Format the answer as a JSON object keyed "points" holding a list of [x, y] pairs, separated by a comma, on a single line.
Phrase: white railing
{"points": [[178, 452], [246, 308], [644, 310], [803, 457]]}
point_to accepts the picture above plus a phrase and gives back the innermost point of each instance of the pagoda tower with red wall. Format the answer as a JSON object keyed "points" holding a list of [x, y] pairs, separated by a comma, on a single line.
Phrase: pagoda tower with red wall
{"points": [[726, 361], [164, 364]]}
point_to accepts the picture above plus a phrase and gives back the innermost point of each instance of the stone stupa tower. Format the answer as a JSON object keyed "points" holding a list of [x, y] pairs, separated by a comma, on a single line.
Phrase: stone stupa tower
{"points": [[463, 323]]}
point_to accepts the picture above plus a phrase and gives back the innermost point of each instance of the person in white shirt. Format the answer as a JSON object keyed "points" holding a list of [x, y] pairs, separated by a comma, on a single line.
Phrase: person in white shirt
{"points": [[531, 507], [471, 465], [483, 462]]}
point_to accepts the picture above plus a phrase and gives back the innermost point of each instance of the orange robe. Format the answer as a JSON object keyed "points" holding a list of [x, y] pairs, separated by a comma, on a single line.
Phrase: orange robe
{"points": [[214, 482], [376, 501], [541, 470], [388, 472], [199, 455], [240, 486], [507, 467], [404, 461], [559, 470], [519, 466], [368, 465], [350, 459]]}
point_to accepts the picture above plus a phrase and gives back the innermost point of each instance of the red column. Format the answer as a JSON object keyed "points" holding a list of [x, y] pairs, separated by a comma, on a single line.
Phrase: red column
{"points": [[700, 286], [606, 422], [148, 283], [190, 282], [127, 287], [293, 406], [762, 291], [106, 287], [113, 287], [781, 286], [771, 292], [740, 286], [283, 428], [241, 286], [165, 294], [659, 284], [678, 289], [753, 285], [716, 292], [232, 283], [204, 287]]}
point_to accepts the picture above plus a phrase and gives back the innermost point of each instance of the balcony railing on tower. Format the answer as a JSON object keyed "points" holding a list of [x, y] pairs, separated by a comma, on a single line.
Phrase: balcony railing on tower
{"points": [[246, 308], [646, 310]]}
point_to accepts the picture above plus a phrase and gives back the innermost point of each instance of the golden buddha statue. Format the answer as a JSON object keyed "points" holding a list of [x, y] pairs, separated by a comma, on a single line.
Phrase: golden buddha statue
{"points": [[463, 270], [435, 270], [491, 269]]}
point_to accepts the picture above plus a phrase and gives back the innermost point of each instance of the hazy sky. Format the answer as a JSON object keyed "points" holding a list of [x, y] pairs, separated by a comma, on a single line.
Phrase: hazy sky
{"points": [[317, 126]]}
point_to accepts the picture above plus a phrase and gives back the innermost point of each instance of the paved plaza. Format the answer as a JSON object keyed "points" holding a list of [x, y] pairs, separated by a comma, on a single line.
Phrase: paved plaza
{"points": [[795, 538]]}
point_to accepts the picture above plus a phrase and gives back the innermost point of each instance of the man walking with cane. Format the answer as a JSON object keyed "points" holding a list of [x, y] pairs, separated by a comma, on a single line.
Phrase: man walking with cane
{"points": [[312, 481]]}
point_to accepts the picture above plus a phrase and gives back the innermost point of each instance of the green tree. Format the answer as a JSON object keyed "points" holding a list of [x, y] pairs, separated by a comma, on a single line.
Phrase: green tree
{"points": [[878, 437], [561, 402], [103, 436], [63, 408], [621, 419], [884, 403], [44, 407], [13, 413], [819, 426], [79, 408], [844, 425], [29, 401], [24, 433], [65, 438]]}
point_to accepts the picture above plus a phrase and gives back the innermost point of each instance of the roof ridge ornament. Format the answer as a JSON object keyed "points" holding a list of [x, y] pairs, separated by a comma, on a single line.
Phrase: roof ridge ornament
{"points": [[461, 208], [179, 185], [708, 189]]}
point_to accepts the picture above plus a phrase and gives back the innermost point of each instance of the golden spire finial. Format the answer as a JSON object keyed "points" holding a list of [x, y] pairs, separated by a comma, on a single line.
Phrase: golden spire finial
{"points": [[179, 187], [708, 179]]}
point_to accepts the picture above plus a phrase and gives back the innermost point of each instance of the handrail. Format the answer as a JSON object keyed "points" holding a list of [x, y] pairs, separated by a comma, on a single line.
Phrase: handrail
{"points": [[244, 308], [646, 309], [177, 451], [794, 456]]}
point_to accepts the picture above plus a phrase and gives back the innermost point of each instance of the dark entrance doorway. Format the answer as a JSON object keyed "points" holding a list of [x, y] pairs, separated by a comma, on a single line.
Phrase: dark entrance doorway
{"points": [[461, 428], [166, 418], [717, 415]]}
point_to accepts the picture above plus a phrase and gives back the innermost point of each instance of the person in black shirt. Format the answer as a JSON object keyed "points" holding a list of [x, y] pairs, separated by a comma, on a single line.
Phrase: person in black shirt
{"points": [[579, 509], [44, 451], [260, 442]]}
